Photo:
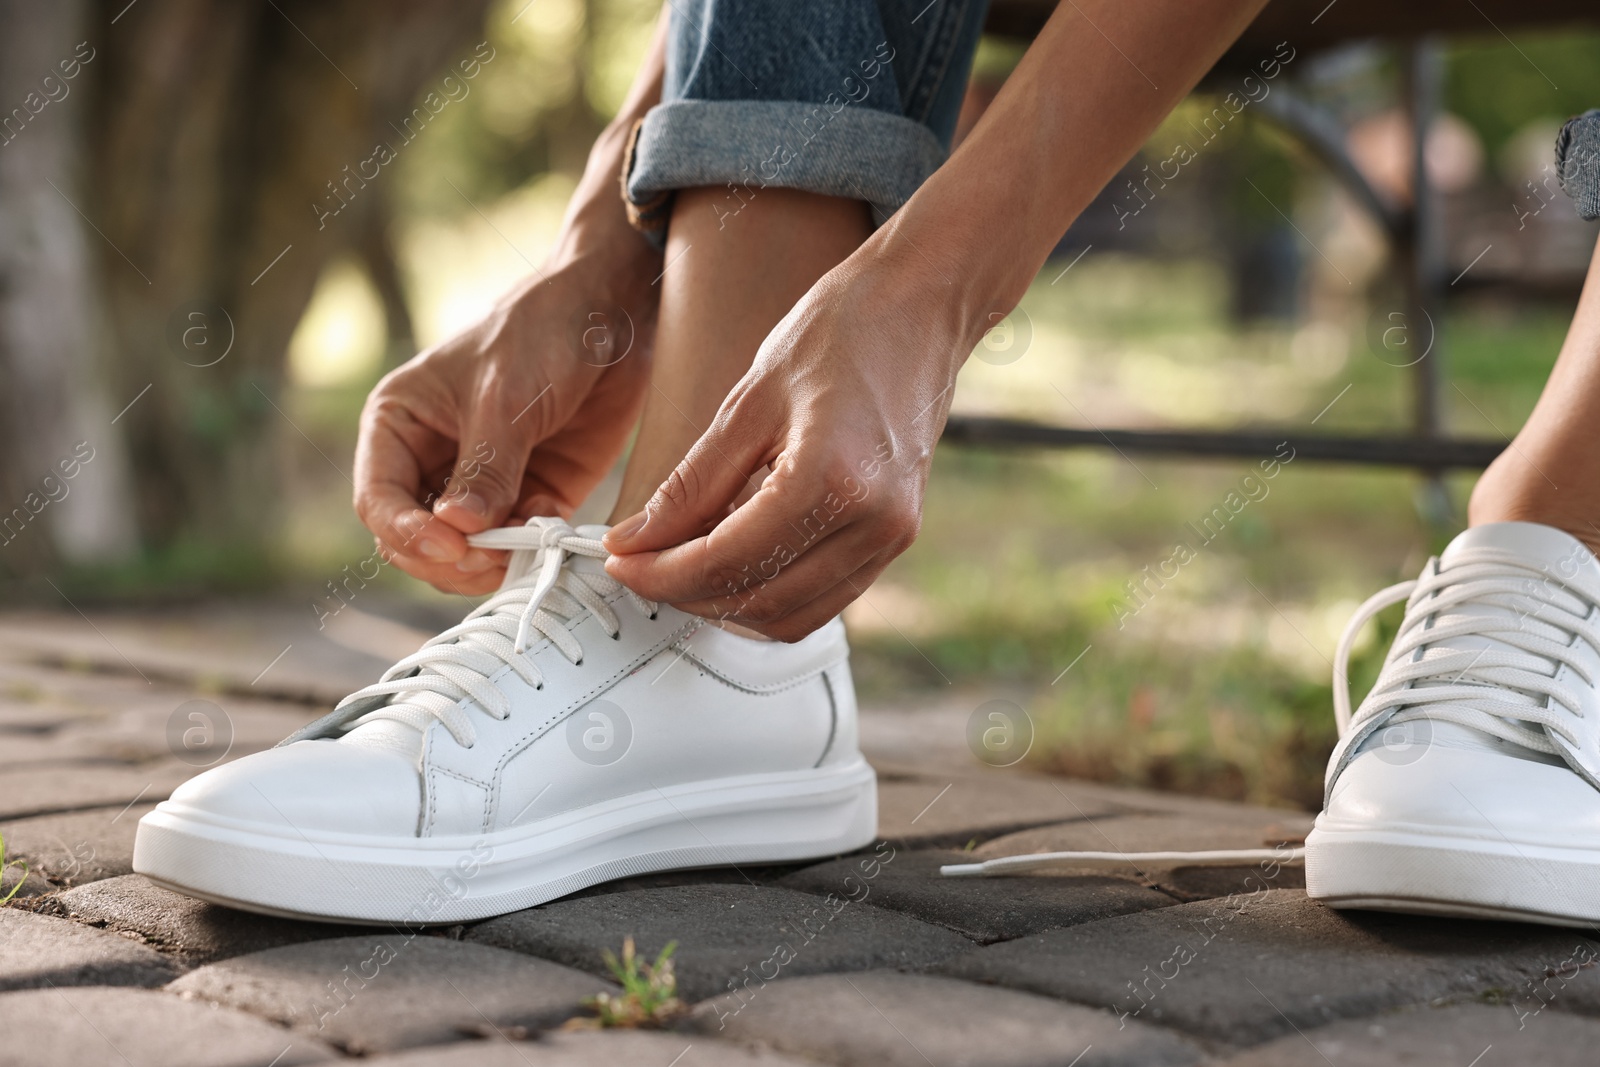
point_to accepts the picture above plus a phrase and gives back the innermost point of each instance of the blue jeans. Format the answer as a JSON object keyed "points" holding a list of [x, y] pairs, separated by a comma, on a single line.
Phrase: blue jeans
{"points": [[847, 98]]}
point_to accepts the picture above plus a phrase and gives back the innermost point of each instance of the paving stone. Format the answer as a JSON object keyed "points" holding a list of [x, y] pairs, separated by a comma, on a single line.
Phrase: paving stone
{"points": [[1456, 1036], [52, 747], [984, 909], [1087, 798], [193, 929], [1205, 883], [101, 738], [1293, 822], [1569, 982], [39, 699], [43, 790], [1247, 969], [141, 732], [726, 934], [764, 874], [65, 695], [105, 1027], [220, 647], [79, 846], [1158, 832], [32, 883], [953, 811], [125, 719], [393, 989], [41, 950], [924, 735], [911, 1020], [19, 721], [609, 1048]]}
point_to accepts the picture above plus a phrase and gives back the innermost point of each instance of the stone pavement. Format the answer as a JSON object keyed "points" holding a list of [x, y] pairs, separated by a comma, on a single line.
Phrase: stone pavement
{"points": [[102, 716]]}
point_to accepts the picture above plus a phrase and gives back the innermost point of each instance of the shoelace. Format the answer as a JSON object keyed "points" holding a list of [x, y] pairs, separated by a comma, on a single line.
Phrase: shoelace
{"points": [[1044, 861], [430, 683], [1498, 691]]}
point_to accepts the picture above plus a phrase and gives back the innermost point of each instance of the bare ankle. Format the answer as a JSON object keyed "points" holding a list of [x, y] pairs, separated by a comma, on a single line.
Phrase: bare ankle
{"points": [[1513, 489]]}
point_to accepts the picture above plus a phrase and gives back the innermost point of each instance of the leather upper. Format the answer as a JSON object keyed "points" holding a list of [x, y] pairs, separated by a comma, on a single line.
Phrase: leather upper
{"points": [[669, 701]]}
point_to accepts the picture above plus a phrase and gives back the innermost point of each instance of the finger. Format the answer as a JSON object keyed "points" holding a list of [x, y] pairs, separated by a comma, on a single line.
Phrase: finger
{"points": [[388, 477], [413, 548], [545, 488], [491, 457], [803, 502], [447, 577], [698, 491], [536, 500], [787, 576], [565, 467], [810, 616]]}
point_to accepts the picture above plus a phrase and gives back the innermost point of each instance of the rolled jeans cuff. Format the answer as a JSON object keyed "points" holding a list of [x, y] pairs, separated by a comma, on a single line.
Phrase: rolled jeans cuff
{"points": [[855, 152]]}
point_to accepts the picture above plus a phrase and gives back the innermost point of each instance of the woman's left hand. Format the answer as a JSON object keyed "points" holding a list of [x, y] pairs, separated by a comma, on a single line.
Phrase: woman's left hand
{"points": [[837, 418]]}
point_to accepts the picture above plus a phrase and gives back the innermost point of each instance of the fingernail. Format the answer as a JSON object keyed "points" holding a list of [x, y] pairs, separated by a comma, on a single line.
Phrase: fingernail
{"points": [[410, 527], [474, 561], [471, 502], [414, 528], [627, 527], [432, 549]]}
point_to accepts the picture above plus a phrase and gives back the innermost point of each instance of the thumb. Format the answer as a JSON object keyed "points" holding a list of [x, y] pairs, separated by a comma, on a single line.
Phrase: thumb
{"points": [[486, 480], [696, 495]]}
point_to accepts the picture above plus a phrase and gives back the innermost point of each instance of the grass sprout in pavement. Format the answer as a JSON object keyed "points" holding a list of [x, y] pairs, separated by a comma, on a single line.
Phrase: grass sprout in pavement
{"points": [[649, 995]]}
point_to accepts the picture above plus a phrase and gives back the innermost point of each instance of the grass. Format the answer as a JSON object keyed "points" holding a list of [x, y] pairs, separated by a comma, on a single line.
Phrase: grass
{"points": [[649, 995], [1207, 690], [6, 865]]}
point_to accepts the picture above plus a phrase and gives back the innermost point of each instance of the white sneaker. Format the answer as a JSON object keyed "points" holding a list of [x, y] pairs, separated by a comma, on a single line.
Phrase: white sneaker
{"points": [[1468, 782], [566, 733]]}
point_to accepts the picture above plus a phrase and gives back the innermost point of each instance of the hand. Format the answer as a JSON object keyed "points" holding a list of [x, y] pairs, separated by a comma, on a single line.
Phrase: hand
{"points": [[844, 403], [502, 422]]}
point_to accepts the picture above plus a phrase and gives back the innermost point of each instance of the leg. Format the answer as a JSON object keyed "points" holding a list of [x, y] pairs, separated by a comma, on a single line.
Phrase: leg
{"points": [[1551, 472], [731, 279], [772, 162]]}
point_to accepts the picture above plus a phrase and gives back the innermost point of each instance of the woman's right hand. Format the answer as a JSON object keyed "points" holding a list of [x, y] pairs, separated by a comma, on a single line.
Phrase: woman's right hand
{"points": [[521, 414]]}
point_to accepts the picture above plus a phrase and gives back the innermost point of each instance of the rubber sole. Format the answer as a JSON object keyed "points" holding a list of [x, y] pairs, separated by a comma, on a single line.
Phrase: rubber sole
{"points": [[1435, 874], [768, 818]]}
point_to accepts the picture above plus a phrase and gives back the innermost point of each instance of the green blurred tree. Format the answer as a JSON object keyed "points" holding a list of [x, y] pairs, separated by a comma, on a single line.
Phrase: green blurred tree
{"points": [[1500, 87], [563, 69]]}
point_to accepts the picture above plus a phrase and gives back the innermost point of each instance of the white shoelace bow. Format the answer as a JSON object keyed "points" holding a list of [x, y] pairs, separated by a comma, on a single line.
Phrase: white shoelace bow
{"points": [[1511, 693], [458, 664]]}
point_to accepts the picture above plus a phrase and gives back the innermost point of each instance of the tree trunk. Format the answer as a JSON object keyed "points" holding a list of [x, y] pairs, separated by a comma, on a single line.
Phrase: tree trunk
{"points": [[63, 474], [224, 124]]}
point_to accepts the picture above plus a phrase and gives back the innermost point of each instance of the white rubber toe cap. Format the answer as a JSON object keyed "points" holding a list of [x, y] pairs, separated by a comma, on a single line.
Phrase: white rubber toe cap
{"points": [[312, 787], [1472, 792]]}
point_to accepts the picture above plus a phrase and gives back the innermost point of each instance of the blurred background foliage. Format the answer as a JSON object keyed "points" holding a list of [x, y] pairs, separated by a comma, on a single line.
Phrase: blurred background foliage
{"points": [[561, 71], [1209, 310]]}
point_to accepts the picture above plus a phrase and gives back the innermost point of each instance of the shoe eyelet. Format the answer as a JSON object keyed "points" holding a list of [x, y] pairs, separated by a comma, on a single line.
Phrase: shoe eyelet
{"points": [[617, 636], [652, 616], [579, 663]]}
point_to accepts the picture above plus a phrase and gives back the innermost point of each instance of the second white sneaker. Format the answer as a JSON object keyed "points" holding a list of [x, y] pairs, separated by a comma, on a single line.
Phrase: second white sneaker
{"points": [[566, 733], [1468, 782]]}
